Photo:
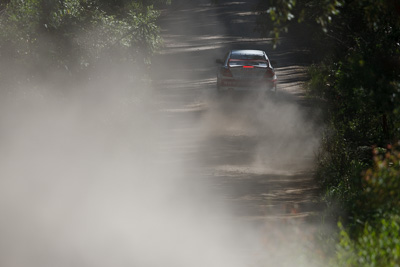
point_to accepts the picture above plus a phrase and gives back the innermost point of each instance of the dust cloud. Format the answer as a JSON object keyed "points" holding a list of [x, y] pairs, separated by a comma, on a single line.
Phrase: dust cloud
{"points": [[84, 184], [85, 181], [278, 132]]}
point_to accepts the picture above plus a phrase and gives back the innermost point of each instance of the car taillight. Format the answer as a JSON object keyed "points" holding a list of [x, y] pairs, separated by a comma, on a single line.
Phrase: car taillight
{"points": [[269, 74], [226, 72]]}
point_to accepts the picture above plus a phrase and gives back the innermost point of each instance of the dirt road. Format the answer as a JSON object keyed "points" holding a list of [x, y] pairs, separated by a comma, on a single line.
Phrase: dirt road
{"points": [[258, 153]]}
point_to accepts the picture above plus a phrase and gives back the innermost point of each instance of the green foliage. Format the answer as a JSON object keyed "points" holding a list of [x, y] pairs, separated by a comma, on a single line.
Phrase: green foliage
{"points": [[339, 172], [372, 237], [357, 77], [375, 246], [18, 26], [74, 35], [382, 185], [359, 83], [275, 13], [277, 16]]}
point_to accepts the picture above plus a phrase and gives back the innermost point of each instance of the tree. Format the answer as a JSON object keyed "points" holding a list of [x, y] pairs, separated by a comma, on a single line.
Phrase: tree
{"points": [[73, 35], [357, 75]]}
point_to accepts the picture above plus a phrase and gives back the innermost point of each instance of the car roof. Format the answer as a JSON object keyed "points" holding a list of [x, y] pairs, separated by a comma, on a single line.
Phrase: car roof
{"points": [[248, 52]]}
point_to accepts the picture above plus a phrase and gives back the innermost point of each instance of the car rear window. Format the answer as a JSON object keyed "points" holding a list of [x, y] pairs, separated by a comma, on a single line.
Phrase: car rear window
{"points": [[247, 56], [249, 62]]}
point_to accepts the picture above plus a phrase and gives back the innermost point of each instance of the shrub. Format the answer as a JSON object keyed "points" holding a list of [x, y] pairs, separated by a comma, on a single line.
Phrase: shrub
{"points": [[74, 35], [382, 184], [378, 245], [377, 241]]}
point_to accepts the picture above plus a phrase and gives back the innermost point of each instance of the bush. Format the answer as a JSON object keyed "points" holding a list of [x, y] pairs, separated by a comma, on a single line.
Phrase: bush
{"points": [[382, 185], [41, 36], [378, 245], [374, 237]]}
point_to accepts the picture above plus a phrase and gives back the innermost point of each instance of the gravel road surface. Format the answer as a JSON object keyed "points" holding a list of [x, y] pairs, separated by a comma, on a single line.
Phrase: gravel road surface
{"points": [[257, 152]]}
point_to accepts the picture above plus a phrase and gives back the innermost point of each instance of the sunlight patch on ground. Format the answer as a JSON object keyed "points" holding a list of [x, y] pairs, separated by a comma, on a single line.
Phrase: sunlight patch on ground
{"points": [[181, 49], [245, 14], [238, 170], [234, 3], [203, 43], [189, 108]]}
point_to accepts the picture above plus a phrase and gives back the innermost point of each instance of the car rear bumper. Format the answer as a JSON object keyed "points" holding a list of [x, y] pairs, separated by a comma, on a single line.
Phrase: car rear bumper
{"points": [[246, 85]]}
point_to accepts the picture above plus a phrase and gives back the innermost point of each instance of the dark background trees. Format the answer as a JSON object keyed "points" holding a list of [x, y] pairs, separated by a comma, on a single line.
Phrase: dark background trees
{"points": [[355, 46]]}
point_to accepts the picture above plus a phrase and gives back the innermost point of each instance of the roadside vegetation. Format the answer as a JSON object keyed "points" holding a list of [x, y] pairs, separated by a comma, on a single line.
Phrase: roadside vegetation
{"points": [[356, 75], [69, 38]]}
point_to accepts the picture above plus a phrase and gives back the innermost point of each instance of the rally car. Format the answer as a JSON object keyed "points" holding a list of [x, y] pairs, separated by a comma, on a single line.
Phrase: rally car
{"points": [[246, 70]]}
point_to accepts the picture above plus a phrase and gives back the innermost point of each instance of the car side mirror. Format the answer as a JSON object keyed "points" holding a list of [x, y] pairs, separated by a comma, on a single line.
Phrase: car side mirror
{"points": [[219, 61]]}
